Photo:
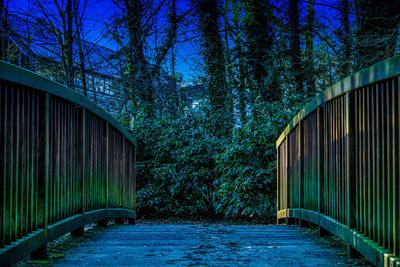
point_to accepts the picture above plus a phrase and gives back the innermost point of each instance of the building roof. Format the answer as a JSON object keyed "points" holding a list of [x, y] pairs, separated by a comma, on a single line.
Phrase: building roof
{"points": [[34, 38]]}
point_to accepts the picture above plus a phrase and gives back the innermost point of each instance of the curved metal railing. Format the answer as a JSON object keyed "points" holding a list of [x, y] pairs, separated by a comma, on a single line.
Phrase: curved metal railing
{"points": [[338, 162], [64, 163]]}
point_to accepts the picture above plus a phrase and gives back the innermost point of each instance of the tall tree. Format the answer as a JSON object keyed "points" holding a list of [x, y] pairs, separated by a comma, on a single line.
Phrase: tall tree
{"points": [[378, 26], [309, 54], [80, 11], [345, 39], [213, 54], [168, 94], [260, 48], [295, 48], [58, 20], [137, 65], [241, 67], [135, 22], [3, 29]]}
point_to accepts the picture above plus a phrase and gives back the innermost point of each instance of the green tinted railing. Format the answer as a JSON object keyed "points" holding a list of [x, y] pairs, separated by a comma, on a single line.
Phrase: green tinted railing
{"points": [[338, 162], [64, 163]]}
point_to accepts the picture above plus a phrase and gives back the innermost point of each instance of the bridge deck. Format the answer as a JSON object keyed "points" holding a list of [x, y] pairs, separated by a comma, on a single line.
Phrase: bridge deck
{"points": [[214, 244]]}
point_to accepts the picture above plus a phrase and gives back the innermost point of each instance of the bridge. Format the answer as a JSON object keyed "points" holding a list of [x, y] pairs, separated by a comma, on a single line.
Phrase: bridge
{"points": [[338, 163], [66, 163]]}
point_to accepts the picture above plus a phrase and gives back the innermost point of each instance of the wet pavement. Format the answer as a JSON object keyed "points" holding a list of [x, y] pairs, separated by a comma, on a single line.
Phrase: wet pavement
{"points": [[203, 245]]}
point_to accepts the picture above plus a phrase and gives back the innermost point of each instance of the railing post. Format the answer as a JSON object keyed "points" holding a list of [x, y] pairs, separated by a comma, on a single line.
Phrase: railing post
{"points": [[300, 156], [43, 187], [107, 160], [123, 174], [350, 170], [3, 162], [286, 187], [133, 221], [80, 230], [123, 170], [83, 158], [396, 169], [278, 197], [103, 223], [320, 165]]}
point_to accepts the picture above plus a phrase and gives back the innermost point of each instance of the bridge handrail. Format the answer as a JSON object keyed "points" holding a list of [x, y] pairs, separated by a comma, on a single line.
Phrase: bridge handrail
{"points": [[31, 79], [338, 163], [372, 74], [64, 163]]}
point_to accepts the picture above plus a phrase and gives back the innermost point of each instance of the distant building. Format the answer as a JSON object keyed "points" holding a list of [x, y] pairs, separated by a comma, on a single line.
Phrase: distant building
{"points": [[31, 46]]}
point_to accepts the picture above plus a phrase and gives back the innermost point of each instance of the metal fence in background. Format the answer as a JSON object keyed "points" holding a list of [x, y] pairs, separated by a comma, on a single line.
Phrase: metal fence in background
{"points": [[338, 163]]}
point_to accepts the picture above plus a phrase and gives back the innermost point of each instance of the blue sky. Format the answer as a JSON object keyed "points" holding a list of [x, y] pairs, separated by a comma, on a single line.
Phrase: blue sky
{"points": [[188, 59], [100, 12]]}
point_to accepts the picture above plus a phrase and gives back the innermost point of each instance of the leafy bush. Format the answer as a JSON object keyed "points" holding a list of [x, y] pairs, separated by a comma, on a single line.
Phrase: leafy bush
{"points": [[184, 170], [246, 186], [176, 166]]}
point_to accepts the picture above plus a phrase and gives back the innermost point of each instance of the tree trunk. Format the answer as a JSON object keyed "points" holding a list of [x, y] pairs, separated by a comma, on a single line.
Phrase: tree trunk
{"points": [[227, 64], [213, 55], [68, 37], [241, 64], [3, 29], [344, 36], [79, 35], [295, 48], [260, 49], [310, 79], [138, 69]]}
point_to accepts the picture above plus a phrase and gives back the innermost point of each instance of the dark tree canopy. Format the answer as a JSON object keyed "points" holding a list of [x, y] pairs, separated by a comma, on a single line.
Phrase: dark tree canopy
{"points": [[377, 30]]}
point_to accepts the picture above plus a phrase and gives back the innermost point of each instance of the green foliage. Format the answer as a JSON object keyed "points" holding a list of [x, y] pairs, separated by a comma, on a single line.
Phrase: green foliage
{"points": [[176, 166], [185, 170], [246, 186]]}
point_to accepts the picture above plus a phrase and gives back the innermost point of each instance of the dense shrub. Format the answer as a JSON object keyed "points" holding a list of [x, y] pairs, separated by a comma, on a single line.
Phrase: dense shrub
{"points": [[176, 166], [184, 170], [246, 183]]}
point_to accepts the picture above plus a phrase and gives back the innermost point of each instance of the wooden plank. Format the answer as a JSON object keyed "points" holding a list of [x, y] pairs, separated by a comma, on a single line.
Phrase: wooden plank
{"points": [[320, 159], [373, 156], [325, 157], [383, 181], [369, 148], [22, 192], [364, 163], [3, 161], [107, 155], [350, 161], [357, 158], [83, 146], [396, 167], [46, 163], [377, 229], [395, 100], [389, 173], [300, 155], [10, 175], [134, 178]]}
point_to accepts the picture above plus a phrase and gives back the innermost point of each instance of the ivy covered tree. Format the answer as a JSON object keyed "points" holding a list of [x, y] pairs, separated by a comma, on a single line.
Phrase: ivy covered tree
{"points": [[213, 55], [260, 51]]}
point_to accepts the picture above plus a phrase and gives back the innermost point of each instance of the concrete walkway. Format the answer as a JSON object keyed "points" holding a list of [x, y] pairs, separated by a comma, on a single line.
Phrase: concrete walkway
{"points": [[200, 245]]}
